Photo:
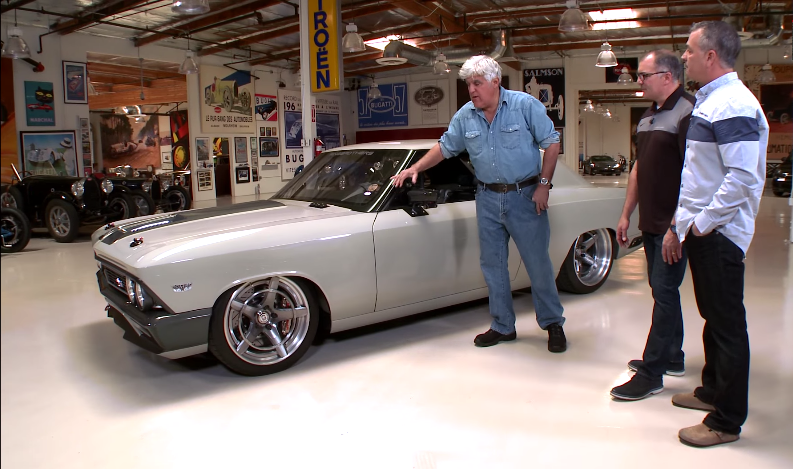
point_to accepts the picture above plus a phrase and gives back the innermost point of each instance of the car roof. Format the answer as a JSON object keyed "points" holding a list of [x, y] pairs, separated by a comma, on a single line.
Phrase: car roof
{"points": [[423, 144]]}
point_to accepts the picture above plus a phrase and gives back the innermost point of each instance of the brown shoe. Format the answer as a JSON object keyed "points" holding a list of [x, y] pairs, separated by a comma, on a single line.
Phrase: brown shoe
{"points": [[689, 401], [701, 436]]}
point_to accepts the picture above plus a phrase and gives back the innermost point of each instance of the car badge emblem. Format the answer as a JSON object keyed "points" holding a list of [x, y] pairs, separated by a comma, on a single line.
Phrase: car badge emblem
{"points": [[182, 287], [136, 242]]}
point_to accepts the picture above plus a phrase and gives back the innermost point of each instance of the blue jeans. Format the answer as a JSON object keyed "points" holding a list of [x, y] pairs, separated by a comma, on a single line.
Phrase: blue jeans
{"points": [[665, 341], [500, 216]]}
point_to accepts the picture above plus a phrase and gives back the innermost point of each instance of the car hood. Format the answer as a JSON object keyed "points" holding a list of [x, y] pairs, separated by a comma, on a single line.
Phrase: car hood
{"points": [[195, 230]]}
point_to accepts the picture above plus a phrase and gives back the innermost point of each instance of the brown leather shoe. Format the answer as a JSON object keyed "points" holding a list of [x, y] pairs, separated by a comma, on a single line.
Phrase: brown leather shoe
{"points": [[689, 401], [701, 436]]}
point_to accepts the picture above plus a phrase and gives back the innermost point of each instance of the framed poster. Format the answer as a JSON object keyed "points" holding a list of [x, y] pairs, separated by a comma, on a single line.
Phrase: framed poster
{"points": [[50, 153], [268, 147], [180, 140], [241, 150], [202, 148], [547, 85], [39, 103], [75, 83], [389, 110], [243, 174], [166, 157], [228, 101], [253, 147], [204, 180], [220, 147]]}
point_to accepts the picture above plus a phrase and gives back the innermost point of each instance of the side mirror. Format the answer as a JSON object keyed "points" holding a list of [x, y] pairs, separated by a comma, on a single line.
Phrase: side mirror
{"points": [[420, 200]]}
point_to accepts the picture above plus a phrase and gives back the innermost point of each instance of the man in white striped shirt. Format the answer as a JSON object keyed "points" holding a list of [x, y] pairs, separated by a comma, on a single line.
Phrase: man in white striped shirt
{"points": [[721, 185]]}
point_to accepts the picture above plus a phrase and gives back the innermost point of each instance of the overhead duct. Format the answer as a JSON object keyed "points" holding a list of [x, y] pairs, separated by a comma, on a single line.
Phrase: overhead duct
{"points": [[397, 52], [759, 38]]}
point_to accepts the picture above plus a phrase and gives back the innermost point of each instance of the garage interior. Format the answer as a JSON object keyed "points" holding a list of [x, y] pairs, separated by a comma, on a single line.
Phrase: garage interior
{"points": [[410, 393]]}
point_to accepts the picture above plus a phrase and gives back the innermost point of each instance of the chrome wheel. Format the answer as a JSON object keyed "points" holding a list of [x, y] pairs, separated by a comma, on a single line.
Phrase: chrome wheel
{"points": [[60, 222], [265, 322], [593, 256]]}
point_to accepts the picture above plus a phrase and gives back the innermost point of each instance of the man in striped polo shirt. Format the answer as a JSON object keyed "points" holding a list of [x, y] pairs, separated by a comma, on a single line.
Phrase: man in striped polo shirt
{"points": [[654, 184], [720, 190]]}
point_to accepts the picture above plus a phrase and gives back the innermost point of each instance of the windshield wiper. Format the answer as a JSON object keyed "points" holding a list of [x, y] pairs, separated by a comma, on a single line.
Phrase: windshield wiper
{"points": [[318, 205]]}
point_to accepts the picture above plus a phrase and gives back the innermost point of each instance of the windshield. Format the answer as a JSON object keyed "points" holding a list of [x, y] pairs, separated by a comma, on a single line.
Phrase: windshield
{"points": [[603, 158], [354, 179]]}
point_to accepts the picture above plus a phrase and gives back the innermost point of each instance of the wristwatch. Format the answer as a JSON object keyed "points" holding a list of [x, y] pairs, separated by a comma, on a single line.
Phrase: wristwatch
{"points": [[673, 229], [546, 182]]}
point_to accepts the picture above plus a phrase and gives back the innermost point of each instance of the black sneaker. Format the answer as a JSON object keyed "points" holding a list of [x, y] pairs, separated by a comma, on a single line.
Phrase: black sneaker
{"points": [[637, 388], [672, 369], [557, 342], [492, 337]]}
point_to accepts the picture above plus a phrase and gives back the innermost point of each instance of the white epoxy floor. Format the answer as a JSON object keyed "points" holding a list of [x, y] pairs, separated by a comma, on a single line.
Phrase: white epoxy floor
{"points": [[413, 394]]}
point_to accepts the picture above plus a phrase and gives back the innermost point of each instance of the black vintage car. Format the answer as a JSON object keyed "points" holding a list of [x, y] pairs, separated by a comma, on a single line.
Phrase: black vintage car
{"points": [[63, 203], [164, 191], [602, 164]]}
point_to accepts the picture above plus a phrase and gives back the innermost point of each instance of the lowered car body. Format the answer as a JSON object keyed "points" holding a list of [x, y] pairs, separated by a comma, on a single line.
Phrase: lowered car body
{"points": [[337, 248]]}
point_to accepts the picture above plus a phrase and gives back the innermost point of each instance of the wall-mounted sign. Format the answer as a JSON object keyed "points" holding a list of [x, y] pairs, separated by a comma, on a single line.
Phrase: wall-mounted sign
{"points": [[547, 85], [323, 45], [429, 103], [389, 110], [266, 108]]}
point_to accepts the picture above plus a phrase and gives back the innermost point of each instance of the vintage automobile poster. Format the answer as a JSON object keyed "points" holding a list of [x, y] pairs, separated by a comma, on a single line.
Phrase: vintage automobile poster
{"points": [[8, 123], [328, 125], [39, 103], [180, 140], [227, 101], [266, 108], [547, 85], [130, 141], [429, 102], [389, 110], [777, 101]]}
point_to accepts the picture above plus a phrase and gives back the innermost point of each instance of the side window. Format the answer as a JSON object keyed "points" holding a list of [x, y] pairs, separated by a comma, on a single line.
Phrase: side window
{"points": [[453, 179]]}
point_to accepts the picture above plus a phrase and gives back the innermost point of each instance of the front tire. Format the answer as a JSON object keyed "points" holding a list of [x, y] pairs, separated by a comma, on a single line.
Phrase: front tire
{"points": [[62, 220], [120, 207], [12, 198], [143, 203], [176, 198], [263, 327], [16, 230], [588, 263]]}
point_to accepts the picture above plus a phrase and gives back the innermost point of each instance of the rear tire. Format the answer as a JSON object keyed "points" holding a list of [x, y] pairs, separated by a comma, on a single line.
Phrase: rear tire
{"points": [[62, 220], [12, 198], [176, 198], [16, 230], [120, 207]]}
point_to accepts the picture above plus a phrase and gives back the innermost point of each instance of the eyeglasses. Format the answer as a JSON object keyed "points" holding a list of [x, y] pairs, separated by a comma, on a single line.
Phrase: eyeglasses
{"points": [[643, 75]]}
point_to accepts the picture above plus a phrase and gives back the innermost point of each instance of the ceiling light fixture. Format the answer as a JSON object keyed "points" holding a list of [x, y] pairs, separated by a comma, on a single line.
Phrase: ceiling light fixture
{"points": [[625, 77], [589, 107], [573, 19], [374, 91], [190, 7], [352, 41], [15, 47], [441, 67], [188, 66], [766, 74], [606, 58], [91, 89]]}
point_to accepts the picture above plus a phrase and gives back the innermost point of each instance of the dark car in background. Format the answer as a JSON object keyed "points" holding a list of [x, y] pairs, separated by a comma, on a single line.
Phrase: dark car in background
{"points": [[782, 179], [63, 203], [602, 164], [152, 192]]}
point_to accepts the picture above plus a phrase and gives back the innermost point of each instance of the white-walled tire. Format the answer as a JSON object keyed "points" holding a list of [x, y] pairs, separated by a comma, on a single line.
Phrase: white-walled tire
{"points": [[263, 327]]}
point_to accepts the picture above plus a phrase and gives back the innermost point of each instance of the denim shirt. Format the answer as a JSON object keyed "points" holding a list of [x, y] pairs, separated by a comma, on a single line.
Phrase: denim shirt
{"points": [[507, 150]]}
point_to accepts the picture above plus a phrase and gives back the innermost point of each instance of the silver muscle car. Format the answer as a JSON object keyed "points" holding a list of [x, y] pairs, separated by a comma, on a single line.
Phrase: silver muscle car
{"points": [[337, 248]]}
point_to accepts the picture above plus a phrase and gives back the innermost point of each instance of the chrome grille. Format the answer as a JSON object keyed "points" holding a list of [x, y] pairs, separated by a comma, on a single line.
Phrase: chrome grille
{"points": [[115, 279]]}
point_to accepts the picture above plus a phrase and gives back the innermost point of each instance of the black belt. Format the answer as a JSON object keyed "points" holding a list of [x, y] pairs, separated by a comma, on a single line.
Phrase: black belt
{"points": [[504, 188]]}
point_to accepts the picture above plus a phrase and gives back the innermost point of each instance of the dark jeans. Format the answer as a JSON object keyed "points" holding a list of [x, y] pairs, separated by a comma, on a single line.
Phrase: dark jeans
{"points": [[665, 340], [717, 270]]}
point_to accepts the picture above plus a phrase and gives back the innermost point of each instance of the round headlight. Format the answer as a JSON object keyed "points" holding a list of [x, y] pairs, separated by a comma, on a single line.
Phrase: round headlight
{"points": [[165, 184], [107, 186], [142, 298], [78, 188], [131, 290], [146, 186]]}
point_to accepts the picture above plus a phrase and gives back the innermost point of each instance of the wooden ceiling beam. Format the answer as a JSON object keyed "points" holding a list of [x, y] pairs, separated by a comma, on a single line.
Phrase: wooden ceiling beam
{"points": [[377, 69], [595, 44], [170, 94], [440, 19], [125, 70], [178, 28]]}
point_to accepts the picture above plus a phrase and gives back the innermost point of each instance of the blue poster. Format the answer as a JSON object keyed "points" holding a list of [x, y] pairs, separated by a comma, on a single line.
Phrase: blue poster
{"points": [[293, 123], [389, 110], [328, 130], [39, 103]]}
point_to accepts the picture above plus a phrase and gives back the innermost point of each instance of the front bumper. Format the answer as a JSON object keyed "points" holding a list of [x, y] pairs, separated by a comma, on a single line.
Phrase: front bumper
{"points": [[158, 331]]}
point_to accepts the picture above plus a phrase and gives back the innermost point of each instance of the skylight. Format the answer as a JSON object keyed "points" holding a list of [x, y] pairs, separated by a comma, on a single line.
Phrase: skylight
{"points": [[612, 15], [381, 42]]}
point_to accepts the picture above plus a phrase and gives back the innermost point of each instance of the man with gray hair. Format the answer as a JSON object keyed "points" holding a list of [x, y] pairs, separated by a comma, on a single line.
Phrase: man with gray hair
{"points": [[503, 132], [654, 184], [720, 190]]}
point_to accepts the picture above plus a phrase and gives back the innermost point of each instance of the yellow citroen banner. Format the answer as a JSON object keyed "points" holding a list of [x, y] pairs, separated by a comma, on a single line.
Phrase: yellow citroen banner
{"points": [[324, 45]]}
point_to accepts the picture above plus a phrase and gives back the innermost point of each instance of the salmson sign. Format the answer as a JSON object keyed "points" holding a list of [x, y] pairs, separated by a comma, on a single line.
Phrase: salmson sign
{"points": [[323, 45]]}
